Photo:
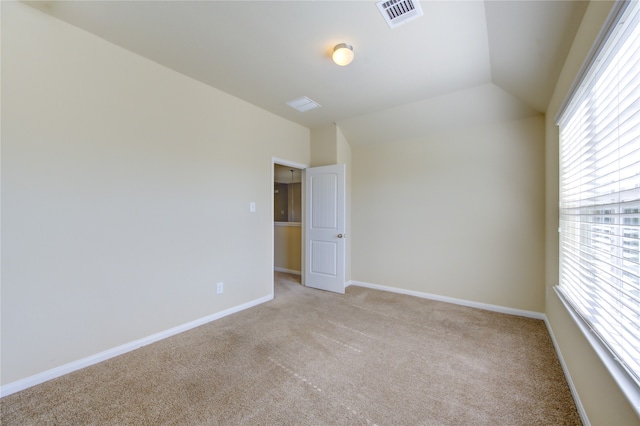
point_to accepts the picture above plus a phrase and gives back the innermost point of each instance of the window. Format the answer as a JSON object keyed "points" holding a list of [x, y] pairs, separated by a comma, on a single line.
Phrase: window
{"points": [[600, 191]]}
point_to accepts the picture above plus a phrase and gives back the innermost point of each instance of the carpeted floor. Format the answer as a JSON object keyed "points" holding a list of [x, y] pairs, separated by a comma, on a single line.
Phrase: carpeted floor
{"points": [[315, 358]]}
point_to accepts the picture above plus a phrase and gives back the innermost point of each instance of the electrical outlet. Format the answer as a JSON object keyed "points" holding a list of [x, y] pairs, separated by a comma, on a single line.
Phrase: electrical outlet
{"points": [[220, 288]]}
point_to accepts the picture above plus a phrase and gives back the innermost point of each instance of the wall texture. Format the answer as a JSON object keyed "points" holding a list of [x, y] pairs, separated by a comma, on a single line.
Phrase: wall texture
{"points": [[344, 156], [600, 395], [460, 214], [324, 146], [287, 247], [281, 202], [125, 195]]}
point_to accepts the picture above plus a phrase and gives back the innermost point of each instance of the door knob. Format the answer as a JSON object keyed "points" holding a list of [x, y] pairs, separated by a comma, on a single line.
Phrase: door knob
{"points": [[342, 235]]}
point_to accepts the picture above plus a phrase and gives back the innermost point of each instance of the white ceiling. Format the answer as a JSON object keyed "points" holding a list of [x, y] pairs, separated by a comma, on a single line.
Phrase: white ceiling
{"points": [[466, 62]]}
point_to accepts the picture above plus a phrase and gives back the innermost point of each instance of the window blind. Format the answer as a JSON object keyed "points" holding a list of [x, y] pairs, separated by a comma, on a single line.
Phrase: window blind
{"points": [[600, 192]]}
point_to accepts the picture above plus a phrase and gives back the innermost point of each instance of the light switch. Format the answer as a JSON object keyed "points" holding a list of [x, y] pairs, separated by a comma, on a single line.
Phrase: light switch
{"points": [[252, 207]]}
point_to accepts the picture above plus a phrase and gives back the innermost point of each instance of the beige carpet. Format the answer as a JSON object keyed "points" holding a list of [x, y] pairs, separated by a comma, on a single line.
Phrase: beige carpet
{"points": [[314, 358]]}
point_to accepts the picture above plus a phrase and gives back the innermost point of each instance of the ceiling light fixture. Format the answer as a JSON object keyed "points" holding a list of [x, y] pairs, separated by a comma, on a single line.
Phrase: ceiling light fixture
{"points": [[342, 54]]}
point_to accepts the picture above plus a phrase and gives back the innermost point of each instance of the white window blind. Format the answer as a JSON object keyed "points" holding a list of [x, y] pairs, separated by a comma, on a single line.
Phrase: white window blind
{"points": [[600, 192]]}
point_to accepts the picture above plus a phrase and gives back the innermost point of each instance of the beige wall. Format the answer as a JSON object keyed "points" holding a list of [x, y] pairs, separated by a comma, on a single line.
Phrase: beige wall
{"points": [[459, 214], [344, 156], [324, 146], [600, 396], [288, 247], [125, 195]]}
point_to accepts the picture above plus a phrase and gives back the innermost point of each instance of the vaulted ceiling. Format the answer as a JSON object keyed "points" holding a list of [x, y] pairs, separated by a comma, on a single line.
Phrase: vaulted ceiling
{"points": [[460, 64]]}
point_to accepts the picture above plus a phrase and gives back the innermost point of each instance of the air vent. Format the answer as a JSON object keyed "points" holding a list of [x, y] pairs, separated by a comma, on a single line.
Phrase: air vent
{"points": [[398, 12], [303, 104]]}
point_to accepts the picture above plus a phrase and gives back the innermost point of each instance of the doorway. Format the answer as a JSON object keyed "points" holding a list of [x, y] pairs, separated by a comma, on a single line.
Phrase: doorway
{"points": [[313, 249], [287, 197], [288, 218]]}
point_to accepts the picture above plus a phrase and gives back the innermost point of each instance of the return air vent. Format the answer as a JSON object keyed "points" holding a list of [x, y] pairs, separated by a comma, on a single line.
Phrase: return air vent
{"points": [[303, 104], [398, 12]]}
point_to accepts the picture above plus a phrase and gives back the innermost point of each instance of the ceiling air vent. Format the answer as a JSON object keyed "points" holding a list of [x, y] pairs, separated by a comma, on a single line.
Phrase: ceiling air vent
{"points": [[398, 12], [303, 104]]}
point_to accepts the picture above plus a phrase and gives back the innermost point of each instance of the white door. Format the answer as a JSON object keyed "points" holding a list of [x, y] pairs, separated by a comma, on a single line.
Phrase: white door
{"points": [[325, 228]]}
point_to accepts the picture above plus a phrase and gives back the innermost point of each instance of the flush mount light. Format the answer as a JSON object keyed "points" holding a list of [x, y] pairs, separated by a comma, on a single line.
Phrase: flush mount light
{"points": [[342, 54]]}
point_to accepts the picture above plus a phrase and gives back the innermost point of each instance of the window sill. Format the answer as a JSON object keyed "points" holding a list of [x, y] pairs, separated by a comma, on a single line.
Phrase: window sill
{"points": [[627, 385]]}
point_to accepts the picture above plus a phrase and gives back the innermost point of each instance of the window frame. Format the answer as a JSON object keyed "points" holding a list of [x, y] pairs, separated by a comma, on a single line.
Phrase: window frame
{"points": [[621, 376]]}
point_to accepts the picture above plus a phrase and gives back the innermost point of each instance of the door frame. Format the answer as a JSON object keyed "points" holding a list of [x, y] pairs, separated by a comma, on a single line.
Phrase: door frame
{"points": [[302, 168]]}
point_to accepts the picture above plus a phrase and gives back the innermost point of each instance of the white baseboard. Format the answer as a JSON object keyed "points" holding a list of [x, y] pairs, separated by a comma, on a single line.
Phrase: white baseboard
{"points": [[495, 308], [39, 378], [288, 271], [36, 379], [565, 369], [471, 304]]}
